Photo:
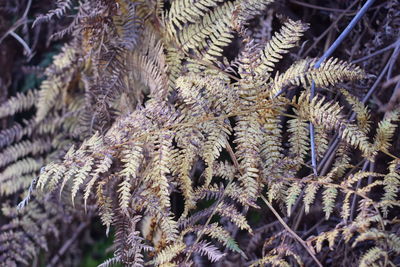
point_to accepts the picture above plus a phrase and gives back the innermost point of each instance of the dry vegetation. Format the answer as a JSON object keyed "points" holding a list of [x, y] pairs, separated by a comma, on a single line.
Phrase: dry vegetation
{"points": [[191, 131]]}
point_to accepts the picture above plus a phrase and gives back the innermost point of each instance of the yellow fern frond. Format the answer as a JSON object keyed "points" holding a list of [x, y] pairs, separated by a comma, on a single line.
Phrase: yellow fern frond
{"points": [[105, 207], [102, 166], [385, 131], [54, 89], [161, 168], [391, 183], [23, 166], [185, 11], [328, 115], [303, 73], [281, 42], [248, 140], [169, 253], [217, 139], [81, 175], [234, 215], [194, 36], [292, 195], [360, 109], [372, 256]]}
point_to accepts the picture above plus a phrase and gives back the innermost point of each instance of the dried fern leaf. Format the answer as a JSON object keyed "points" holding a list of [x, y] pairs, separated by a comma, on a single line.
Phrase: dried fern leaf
{"points": [[280, 44], [18, 103], [386, 130]]}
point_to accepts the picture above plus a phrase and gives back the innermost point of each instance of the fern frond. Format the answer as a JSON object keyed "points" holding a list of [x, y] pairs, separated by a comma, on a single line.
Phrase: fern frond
{"points": [[385, 131], [151, 66], [360, 109], [248, 9], [372, 256], [273, 260], [16, 132], [23, 166], [169, 253], [24, 148], [303, 73], [321, 141], [391, 183], [329, 200], [345, 212], [62, 7], [392, 240], [105, 208], [312, 188], [53, 90], [16, 184], [292, 195], [248, 140], [217, 232], [158, 177], [233, 214], [18, 103], [127, 25], [299, 138], [309, 195], [342, 161], [209, 250], [217, 140], [329, 236], [185, 11], [81, 175], [328, 115], [186, 158], [271, 148], [103, 166], [132, 157], [124, 193], [194, 36], [280, 44], [110, 262]]}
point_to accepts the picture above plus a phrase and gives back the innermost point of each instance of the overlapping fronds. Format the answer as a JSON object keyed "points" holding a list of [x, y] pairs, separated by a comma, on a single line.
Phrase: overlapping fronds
{"points": [[143, 121]]}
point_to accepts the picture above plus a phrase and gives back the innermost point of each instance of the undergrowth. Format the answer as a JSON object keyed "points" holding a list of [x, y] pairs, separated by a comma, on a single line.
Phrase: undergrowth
{"points": [[184, 126]]}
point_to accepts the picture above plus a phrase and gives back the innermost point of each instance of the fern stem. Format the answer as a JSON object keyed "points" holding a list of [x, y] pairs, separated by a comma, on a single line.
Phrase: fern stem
{"points": [[295, 236], [313, 154], [327, 54], [68, 243], [354, 202]]}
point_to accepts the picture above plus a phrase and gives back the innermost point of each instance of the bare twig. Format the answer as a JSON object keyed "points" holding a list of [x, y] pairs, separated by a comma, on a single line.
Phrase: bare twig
{"points": [[295, 236], [327, 54], [68, 243], [329, 28], [18, 23], [345, 11]]}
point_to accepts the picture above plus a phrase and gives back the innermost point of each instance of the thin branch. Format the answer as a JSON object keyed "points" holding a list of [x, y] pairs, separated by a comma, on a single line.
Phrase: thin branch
{"points": [[327, 54], [349, 12], [68, 243], [22, 42], [18, 23], [298, 238], [380, 51], [329, 28]]}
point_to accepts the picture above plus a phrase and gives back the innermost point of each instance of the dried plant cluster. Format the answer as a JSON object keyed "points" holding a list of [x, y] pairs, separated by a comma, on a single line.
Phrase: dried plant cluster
{"points": [[144, 121]]}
